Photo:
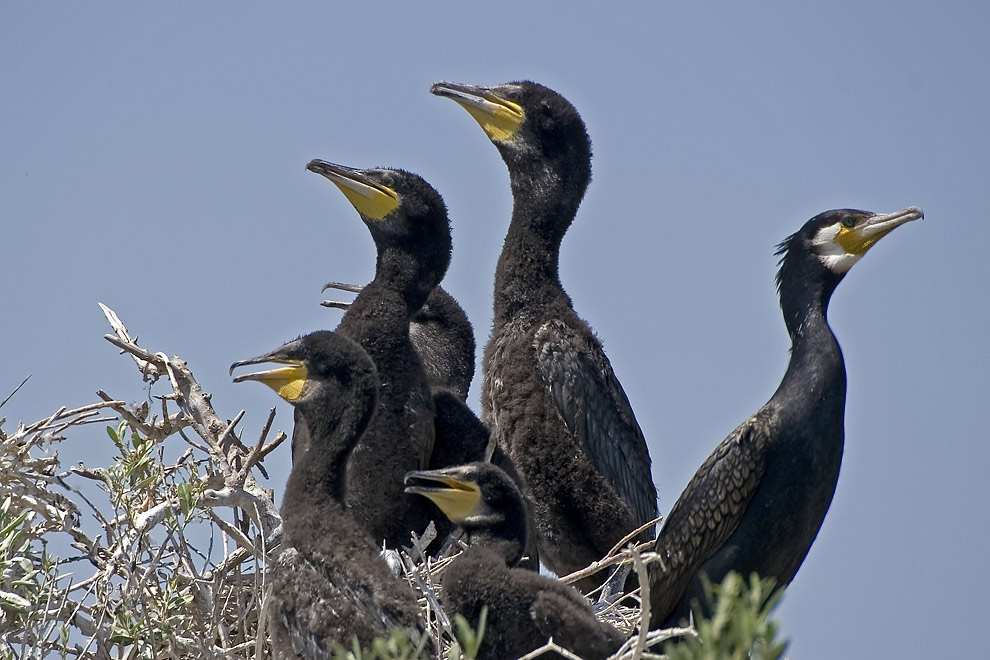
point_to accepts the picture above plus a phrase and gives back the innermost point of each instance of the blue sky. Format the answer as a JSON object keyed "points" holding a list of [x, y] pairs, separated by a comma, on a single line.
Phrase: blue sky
{"points": [[153, 159]]}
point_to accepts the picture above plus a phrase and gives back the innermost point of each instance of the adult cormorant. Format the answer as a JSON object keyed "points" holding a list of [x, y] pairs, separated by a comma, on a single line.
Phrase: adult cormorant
{"points": [[759, 500], [328, 582], [549, 392], [408, 222], [524, 608]]}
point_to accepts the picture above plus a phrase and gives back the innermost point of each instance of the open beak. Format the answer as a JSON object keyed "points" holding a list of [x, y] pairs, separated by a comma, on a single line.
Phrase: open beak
{"points": [[457, 498], [287, 381]]}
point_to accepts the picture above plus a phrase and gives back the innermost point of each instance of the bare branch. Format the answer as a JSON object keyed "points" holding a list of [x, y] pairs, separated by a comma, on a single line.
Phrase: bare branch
{"points": [[260, 450], [148, 370], [195, 404]]}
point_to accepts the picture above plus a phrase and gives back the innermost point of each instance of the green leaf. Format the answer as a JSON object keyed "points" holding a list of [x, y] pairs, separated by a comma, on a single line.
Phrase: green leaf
{"points": [[740, 626], [13, 524], [14, 603], [188, 498], [468, 637]]}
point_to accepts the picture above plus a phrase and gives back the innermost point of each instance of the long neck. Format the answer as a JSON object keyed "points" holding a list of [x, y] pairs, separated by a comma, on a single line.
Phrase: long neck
{"points": [[546, 195], [317, 475], [378, 321], [816, 366], [506, 544], [400, 271], [504, 530]]}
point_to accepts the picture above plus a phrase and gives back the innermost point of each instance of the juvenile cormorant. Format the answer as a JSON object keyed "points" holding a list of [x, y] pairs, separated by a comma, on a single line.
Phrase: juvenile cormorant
{"points": [[524, 608], [408, 222], [442, 335], [759, 500], [443, 339], [549, 392], [328, 582]]}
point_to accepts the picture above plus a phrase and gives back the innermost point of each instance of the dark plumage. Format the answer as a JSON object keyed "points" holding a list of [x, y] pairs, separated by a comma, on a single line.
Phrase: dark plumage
{"points": [[328, 582], [444, 340], [462, 438], [549, 392], [408, 222], [460, 435], [759, 500], [524, 608], [442, 335]]}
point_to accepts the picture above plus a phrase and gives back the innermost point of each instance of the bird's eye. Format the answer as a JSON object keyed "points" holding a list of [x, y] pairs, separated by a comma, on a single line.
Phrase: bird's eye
{"points": [[848, 221], [513, 95], [388, 180]]}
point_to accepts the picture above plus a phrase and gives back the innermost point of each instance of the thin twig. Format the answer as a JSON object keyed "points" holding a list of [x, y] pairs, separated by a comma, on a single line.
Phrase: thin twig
{"points": [[633, 534], [551, 647], [619, 558], [9, 396]]}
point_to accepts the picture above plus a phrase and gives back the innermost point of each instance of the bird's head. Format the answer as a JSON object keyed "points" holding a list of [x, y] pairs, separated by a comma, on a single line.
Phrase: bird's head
{"points": [[475, 496], [839, 238], [316, 368], [523, 117], [400, 209]]}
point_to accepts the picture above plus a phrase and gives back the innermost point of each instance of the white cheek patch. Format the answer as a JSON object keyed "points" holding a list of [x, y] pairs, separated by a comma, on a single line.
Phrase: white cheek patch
{"points": [[826, 246]]}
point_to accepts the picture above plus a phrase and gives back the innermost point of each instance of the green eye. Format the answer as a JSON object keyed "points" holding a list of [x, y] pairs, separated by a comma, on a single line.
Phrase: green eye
{"points": [[848, 221]]}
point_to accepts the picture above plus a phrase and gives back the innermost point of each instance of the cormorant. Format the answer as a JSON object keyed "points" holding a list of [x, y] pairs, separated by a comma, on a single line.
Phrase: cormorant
{"points": [[524, 608], [408, 222], [442, 335], [549, 392], [444, 340], [757, 503], [328, 582]]}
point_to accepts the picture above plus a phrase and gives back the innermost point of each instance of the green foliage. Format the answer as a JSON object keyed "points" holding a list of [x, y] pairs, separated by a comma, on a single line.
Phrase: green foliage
{"points": [[128, 631], [135, 466], [468, 639], [397, 646], [27, 572], [740, 626], [188, 495], [158, 621], [152, 568], [139, 571], [150, 616], [138, 474]]}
